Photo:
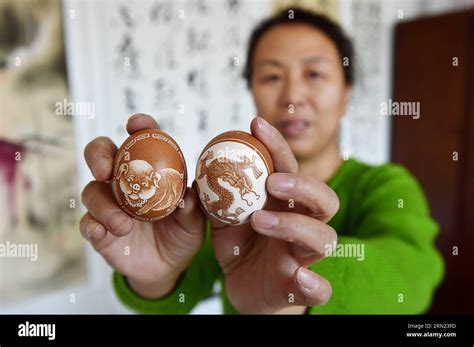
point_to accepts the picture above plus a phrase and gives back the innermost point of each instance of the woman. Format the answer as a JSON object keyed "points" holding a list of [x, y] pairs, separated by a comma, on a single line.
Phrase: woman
{"points": [[297, 74]]}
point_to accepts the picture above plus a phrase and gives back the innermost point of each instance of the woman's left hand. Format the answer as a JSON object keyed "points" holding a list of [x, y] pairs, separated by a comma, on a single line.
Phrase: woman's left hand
{"points": [[266, 261]]}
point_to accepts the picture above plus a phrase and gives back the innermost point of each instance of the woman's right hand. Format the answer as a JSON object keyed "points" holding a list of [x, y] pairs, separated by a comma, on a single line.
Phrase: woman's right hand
{"points": [[151, 255]]}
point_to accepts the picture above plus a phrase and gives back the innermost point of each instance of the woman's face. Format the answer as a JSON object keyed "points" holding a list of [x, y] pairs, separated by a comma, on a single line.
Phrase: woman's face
{"points": [[299, 87]]}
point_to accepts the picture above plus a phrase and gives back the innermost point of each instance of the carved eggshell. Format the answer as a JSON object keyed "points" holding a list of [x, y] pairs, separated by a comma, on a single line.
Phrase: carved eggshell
{"points": [[149, 175], [231, 176]]}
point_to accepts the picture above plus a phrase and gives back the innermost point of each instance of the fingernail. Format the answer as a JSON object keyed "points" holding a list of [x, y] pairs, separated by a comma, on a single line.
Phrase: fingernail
{"points": [[118, 221], [307, 279], [99, 163], [265, 219], [282, 182], [91, 229], [263, 126]]}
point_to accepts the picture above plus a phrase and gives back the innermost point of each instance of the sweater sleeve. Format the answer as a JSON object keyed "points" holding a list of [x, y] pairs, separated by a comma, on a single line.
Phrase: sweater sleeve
{"points": [[194, 285], [398, 267]]}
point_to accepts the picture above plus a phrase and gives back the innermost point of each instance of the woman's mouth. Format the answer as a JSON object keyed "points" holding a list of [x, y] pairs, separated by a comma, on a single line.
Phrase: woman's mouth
{"points": [[293, 127]]}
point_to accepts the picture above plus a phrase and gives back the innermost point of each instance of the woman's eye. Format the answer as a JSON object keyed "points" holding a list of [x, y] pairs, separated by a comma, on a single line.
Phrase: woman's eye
{"points": [[145, 184], [314, 74], [271, 78]]}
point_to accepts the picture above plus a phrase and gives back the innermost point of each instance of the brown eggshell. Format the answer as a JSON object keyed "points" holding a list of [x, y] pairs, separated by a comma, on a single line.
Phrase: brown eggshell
{"points": [[231, 176], [149, 175]]}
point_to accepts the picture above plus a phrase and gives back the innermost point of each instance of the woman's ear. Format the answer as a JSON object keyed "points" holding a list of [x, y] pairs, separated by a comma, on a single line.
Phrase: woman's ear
{"points": [[346, 99], [348, 94]]}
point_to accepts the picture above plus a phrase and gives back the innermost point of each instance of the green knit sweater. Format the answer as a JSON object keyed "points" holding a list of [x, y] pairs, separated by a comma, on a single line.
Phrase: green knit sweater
{"points": [[385, 261]]}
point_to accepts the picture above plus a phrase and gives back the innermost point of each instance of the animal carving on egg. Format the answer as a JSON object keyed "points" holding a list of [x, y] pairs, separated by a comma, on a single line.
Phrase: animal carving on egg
{"points": [[149, 179], [231, 176], [147, 189]]}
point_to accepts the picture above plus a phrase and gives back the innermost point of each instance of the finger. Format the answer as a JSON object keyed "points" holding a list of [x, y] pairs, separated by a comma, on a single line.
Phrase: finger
{"points": [[315, 195], [309, 233], [99, 155], [140, 121], [94, 232], [188, 215], [308, 289], [98, 199], [282, 155]]}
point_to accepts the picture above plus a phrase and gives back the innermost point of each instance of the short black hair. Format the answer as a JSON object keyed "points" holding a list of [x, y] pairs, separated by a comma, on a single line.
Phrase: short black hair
{"points": [[300, 16]]}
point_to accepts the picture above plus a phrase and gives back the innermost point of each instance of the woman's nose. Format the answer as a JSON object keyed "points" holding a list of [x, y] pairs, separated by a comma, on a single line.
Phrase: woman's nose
{"points": [[293, 95]]}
